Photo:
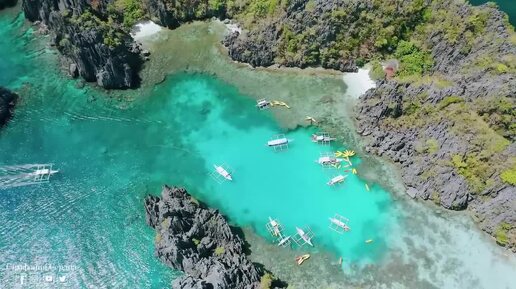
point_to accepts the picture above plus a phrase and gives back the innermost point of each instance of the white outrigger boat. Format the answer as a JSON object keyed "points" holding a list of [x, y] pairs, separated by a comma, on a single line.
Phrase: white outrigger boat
{"points": [[222, 171], [339, 224], [278, 142], [275, 227], [336, 180], [263, 103], [329, 160], [44, 172], [284, 241], [324, 138], [304, 236]]}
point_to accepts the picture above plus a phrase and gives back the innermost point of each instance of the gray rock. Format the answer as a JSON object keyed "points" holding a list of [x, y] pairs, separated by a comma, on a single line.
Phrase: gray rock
{"points": [[73, 70], [431, 174], [199, 242], [111, 67], [7, 103]]}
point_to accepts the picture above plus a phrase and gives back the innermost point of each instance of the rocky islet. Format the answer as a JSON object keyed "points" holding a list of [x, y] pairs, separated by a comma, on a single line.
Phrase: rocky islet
{"points": [[199, 241]]}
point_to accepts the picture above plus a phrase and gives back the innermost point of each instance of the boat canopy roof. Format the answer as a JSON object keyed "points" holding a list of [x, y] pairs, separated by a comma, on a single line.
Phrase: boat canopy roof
{"points": [[279, 141]]}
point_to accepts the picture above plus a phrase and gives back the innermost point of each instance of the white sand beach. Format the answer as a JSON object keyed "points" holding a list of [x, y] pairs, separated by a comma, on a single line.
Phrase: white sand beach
{"points": [[144, 30], [359, 82]]}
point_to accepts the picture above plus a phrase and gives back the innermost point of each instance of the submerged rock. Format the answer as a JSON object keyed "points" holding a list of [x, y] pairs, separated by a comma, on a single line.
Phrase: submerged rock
{"points": [[7, 3], [199, 242], [7, 103]]}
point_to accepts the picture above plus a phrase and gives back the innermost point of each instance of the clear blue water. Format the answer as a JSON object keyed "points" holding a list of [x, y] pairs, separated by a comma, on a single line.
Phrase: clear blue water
{"points": [[112, 152]]}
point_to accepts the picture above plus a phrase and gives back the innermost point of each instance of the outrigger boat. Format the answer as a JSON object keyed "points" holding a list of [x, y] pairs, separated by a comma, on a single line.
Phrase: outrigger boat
{"points": [[221, 171], [304, 236], [263, 103], [336, 180], [328, 160], [44, 172], [278, 142], [339, 224], [322, 138], [284, 241], [275, 227]]}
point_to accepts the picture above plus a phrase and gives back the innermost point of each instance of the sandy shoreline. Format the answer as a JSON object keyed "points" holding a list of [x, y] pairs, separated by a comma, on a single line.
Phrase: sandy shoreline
{"points": [[144, 30]]}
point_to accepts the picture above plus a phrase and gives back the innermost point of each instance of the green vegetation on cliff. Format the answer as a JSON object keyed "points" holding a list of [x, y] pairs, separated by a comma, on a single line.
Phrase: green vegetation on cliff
{"points": [[509, 175], [130, 11], [501, 233]]}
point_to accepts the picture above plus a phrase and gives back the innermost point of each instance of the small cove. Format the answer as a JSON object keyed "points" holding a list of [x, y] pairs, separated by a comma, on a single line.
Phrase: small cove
{"points": [[113, 152]]}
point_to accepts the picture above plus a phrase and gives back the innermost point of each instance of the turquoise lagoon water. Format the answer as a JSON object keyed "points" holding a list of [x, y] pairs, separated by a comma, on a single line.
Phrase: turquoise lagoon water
{"points": [[114, 148], [111, 153]]}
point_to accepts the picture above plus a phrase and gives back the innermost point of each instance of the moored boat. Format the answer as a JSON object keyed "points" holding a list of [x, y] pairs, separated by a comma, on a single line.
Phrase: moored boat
{"points": [[328, 160], [275, 227], [278, 142], [336, 180], [222, 171], [43, 172], [284, 241], [322, 138], [339, 224], [263, 103], [304, 236]]}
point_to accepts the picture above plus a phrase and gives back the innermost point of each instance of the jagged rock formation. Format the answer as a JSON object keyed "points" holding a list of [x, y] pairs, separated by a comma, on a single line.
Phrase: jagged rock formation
{"points": [[98, 49], [450, 131], [199, 242], [336, 34], [7, 102], [173, 13]]}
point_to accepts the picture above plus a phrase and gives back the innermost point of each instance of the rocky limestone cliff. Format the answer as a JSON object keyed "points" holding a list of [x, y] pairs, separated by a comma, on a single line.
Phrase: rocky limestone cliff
{"points": [[95, 49], [450, 131], [199, 242], [334, 34], [7, 103]]}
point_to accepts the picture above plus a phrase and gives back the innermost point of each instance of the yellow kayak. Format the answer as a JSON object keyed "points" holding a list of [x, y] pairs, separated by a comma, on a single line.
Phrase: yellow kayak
{"points": [[301, 259], [369, 241]]}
